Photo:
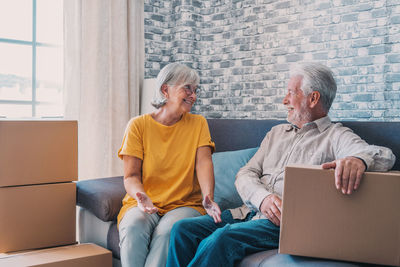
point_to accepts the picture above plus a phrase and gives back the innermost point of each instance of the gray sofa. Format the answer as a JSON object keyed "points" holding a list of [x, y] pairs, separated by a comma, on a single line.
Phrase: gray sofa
{"points": [[99, 200]]}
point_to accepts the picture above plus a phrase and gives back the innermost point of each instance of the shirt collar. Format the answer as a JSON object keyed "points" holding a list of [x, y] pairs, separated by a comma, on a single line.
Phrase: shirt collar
{"points": [[322, 124], [290, 127]]}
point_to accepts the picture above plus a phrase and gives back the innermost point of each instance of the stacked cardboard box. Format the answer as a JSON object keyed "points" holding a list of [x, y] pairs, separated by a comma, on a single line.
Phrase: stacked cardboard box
{"points": [[38, 164]]}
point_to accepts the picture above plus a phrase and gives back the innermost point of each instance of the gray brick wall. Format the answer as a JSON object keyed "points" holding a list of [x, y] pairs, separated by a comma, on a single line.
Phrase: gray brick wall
{"points": [[242, 50]]}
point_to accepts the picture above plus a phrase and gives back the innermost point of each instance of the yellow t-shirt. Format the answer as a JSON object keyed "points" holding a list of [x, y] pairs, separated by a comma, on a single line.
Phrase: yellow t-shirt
{"points": [[168, 156]]}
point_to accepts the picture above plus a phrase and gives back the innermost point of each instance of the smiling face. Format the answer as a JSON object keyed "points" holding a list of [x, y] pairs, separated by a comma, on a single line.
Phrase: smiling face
{"points": [[181, 97], [296, 102]]}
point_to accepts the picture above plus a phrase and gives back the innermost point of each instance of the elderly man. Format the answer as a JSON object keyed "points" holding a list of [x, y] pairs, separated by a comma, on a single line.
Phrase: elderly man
{"points": [[310, 138]]}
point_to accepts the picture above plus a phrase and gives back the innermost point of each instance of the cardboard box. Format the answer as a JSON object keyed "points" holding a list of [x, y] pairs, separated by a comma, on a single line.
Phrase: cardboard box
{"points": [[35, 152], [82, 255], [37, 216], [319, 221]]}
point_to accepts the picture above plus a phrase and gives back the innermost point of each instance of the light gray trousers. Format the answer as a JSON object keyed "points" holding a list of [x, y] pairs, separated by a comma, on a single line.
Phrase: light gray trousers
{"points": [[144, 238]]}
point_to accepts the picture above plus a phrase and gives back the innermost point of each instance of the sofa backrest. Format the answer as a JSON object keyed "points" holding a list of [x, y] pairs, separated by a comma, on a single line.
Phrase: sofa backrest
{"points": [[379, 133], [103, 196], [234, 134]]}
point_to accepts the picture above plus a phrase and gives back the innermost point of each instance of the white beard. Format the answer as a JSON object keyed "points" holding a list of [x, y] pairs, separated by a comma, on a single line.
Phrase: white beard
{"points": [[302, 115]]}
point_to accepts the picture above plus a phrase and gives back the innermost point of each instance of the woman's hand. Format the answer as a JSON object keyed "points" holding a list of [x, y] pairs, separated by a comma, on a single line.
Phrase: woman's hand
{"points": [[145, 203], [212, 209], [133, 184], [205, 176]]}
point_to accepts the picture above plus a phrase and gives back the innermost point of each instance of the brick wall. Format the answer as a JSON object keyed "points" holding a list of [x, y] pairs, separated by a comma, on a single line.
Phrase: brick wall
{"points": [[242, 50]]}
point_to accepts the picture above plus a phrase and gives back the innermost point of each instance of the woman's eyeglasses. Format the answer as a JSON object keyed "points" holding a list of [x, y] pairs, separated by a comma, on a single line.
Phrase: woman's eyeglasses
{"points": [[190, 90]]}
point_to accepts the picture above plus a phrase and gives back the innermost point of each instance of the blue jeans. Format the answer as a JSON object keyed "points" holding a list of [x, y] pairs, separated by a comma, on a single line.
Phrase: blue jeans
{"points": [[201, 242]]}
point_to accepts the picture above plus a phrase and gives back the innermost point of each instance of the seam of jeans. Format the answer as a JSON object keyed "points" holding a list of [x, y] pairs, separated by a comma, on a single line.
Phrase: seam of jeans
{"points": [[232, 252]]}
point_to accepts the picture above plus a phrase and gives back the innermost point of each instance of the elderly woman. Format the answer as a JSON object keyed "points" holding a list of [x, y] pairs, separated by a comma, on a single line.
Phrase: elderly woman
{"points": [[167, 169]]}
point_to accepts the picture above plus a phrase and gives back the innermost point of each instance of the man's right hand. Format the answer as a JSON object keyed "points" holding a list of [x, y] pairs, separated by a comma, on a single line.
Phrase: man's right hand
{"points": [[144, 203], [271, 207]]}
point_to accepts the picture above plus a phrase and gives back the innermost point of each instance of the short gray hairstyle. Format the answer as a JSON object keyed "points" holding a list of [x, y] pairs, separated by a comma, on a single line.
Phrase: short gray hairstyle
{"points": [[316, 77], [173, 74]]}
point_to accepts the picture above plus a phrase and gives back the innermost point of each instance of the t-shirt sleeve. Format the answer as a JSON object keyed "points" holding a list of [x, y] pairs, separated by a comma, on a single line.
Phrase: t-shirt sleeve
{"points": [[132, 143], [205, 137]]}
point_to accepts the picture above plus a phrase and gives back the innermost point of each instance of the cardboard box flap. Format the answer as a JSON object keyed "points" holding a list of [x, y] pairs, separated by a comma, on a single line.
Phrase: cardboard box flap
{"points": [[319, 221]]}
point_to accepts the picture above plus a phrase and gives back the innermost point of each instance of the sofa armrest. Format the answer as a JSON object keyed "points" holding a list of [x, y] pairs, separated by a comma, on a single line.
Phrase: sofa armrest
{"points": [[103, 197]]}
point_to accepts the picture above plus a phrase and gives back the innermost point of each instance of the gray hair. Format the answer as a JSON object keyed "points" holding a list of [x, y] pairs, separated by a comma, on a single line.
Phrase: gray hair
{"points": [[172, 74], [317, 77]]}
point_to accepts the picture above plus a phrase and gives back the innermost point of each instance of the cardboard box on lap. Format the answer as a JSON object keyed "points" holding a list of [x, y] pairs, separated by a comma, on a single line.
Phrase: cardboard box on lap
{"points": [[36, 152], [80, 255], [37, 216], [319, 221]]}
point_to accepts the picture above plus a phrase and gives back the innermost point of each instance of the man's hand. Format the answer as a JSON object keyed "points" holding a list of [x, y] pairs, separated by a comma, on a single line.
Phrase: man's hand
{"points": [[271, 207], [348, 173], [212, 209], [145, 203]]}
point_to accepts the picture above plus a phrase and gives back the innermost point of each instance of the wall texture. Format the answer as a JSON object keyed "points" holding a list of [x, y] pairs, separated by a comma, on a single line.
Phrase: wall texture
{"points": [[243, 49]]}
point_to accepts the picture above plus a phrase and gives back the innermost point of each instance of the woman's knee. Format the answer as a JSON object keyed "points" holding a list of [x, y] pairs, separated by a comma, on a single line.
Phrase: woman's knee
{"points": [[161, 233], [135, 233]]}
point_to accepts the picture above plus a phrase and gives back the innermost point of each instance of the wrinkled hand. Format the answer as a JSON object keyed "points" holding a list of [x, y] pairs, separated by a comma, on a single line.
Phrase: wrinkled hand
{"points": [[348, 173], [212, 209], [145, 203], [271, 207]]}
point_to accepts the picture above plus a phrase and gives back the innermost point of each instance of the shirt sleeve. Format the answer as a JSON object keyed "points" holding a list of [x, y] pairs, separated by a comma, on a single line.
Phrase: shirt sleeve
{"points": [[377, 158], [132, 143], [248, 183], [205, 137]]}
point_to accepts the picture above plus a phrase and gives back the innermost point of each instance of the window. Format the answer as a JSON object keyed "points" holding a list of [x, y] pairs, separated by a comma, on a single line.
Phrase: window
{"points": [[31, 58]]}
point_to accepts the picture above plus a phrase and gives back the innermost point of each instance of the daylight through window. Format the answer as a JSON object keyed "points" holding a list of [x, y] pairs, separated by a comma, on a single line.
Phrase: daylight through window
{"points": [[31, 58]]}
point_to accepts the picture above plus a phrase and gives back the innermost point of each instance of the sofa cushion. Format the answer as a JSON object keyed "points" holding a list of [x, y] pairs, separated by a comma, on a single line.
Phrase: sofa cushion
{"points": [[103, 197], [113, 240], [226, 165]]}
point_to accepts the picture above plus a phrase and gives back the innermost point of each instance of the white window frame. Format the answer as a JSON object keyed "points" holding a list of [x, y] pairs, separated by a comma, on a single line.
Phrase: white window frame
{"points": [[34, 44]]}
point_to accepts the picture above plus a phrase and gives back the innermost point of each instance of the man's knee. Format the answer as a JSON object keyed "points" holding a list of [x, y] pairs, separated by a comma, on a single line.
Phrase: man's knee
{"points": [[222, 236], [180, 228]]}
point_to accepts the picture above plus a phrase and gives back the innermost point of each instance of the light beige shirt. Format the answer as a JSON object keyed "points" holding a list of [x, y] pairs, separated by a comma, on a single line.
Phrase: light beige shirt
{"points": [[315, 143]]}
